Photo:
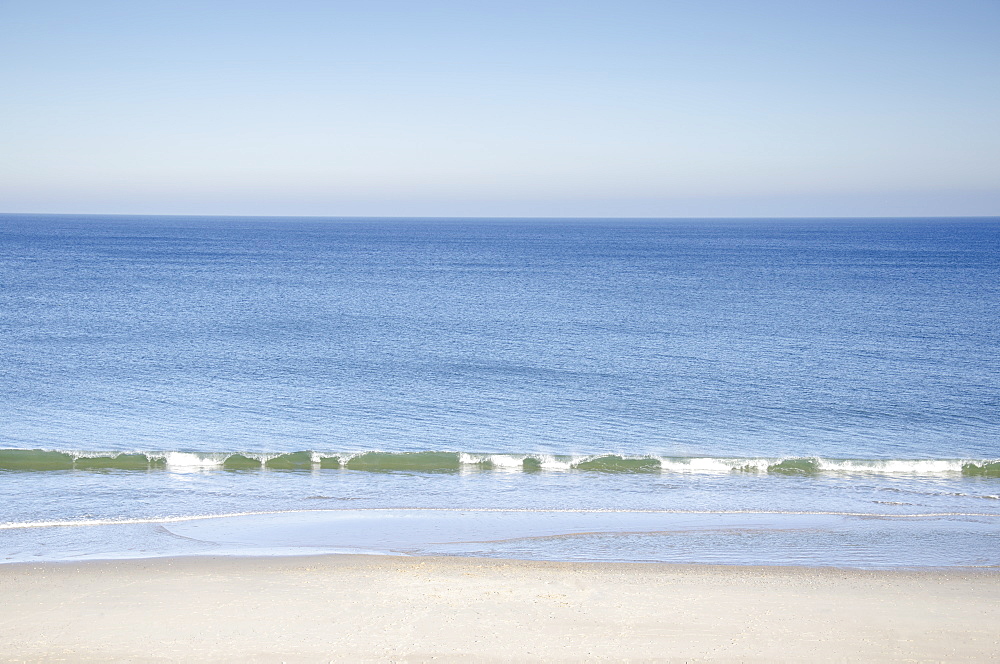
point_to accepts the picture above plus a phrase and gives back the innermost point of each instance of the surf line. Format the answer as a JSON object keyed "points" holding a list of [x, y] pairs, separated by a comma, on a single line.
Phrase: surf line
{"points": [[201, 517]]}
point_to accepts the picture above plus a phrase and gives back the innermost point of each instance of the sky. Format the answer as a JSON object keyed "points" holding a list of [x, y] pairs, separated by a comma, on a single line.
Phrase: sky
{"points": [[669, 108]]}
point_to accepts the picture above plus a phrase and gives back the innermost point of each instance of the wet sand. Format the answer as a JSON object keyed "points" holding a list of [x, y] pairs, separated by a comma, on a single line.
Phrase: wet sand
{"points": [[387, 608]]}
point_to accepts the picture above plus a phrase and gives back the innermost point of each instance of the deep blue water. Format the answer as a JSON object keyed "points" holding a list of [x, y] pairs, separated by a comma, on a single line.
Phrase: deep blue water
{"points": [[682, 366]]}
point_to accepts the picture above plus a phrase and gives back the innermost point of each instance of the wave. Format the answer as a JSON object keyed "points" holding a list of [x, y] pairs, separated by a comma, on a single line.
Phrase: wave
{"points": [[379, 461]]}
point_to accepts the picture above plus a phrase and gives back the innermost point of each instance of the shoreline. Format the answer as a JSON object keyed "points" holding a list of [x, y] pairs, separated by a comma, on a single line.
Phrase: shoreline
{"points": [[841, 539], [350, 607]]}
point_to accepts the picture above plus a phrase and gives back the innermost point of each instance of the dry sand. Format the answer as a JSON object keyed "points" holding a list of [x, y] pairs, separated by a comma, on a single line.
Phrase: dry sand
{"points": [[361, 608]]}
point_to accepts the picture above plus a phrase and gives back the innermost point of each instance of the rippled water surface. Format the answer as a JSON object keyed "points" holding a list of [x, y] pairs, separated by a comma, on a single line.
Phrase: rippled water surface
{"points": [[162, 368]]}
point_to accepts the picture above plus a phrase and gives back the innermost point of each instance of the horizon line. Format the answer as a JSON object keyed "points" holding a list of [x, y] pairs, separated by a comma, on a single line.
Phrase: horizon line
{"points": [[500, 217]]}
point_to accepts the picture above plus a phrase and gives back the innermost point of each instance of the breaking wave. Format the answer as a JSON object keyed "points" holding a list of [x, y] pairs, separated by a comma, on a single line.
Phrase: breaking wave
{"points": [[377, 461]]}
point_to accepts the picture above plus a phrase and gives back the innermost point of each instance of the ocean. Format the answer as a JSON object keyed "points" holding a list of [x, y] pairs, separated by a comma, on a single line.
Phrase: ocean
{"points": [[788, 392]]}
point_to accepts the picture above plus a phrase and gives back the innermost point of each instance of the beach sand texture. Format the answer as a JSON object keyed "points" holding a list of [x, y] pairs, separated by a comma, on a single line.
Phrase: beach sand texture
{"points": [[388, 608]]}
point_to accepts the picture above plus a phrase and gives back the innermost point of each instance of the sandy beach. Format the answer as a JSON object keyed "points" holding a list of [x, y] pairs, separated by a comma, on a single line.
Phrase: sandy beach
{"points": [[380, 608]]}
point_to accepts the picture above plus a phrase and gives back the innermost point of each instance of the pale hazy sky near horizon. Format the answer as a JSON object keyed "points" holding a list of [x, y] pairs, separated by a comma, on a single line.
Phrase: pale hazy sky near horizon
{"points": [[508, 108]]}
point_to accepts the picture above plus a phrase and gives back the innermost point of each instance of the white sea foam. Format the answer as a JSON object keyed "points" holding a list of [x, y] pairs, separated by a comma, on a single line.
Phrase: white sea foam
{"points": [[344, 457], [553, 463], [497, 461], [506, 462], [76, 523], [189, 462], [915, 466], [713, 465]]}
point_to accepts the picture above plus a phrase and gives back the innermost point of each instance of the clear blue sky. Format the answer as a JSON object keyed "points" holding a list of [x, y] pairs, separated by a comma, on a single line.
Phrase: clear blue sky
{"points": [[506, 108]]}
